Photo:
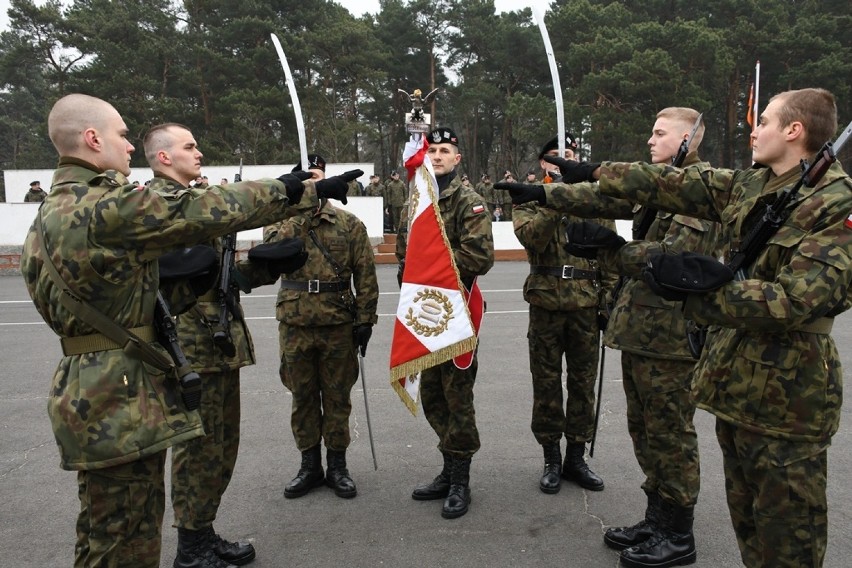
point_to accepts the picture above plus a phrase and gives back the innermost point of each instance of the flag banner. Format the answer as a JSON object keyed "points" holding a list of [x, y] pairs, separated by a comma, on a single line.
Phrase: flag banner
{"points": [[433, 324], [750, 112], [476, 307]]}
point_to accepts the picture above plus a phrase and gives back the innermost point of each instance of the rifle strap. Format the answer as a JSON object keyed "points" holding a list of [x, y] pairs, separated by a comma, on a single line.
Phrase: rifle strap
{"points": [[338, 270], [129, 342]]}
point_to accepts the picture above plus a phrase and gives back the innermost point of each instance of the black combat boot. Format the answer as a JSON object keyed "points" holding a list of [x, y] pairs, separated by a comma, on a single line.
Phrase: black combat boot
{"points": [[196, 550], [236, 553], [337, 476], [577, 470], [310, 474], [619, 538], [440, 486], [458, 497], [672, 544], [550, 479]]}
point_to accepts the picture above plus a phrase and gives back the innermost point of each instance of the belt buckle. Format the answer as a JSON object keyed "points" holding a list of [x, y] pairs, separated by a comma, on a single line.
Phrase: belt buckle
{"points": [[313, 286], [567, 272]]}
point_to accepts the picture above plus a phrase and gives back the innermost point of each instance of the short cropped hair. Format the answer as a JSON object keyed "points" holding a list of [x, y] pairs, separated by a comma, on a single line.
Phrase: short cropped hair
{"points": [[815, 109]]}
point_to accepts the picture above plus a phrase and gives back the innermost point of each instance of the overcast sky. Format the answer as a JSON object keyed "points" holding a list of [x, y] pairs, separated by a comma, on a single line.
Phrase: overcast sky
{"points": [[356, 7]]}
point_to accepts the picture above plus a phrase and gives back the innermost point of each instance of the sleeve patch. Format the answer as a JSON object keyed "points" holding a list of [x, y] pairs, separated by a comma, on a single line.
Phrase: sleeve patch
{"points": [[848, 222], [480, 208]]}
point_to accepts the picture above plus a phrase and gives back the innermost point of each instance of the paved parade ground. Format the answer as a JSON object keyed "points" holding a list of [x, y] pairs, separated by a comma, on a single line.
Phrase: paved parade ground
{"points": [[510, 523]]}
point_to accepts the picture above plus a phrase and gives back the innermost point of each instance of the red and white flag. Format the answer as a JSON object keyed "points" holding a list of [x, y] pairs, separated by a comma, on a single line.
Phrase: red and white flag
{"points": [[433, 324]]}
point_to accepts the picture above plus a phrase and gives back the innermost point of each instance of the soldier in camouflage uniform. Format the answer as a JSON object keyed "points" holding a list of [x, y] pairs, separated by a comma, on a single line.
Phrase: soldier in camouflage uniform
{"points": [[397, 194], [326, 312], [564, 293], [202, 468], [114, 414], [447, 391], [770, 370], [485, 189], [35, 194], [375, 188]]}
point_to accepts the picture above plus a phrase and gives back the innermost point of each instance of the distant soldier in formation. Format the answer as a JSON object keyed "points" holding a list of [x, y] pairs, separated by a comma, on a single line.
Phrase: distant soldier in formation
{"points": [[35, 194], [397, 193]]}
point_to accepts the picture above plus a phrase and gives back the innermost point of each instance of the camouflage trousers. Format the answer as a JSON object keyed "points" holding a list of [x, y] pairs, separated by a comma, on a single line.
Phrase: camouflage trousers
{"points": [[776, 497], [396, 216], [121, 515], [202, 468], [553, 335], [659, 419], [447, 396], [319, 365]]}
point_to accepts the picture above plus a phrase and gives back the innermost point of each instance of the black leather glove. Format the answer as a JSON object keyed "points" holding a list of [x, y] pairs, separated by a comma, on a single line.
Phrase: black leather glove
{"points": [[675, 276], [282, 257], [362, 334], [293, 183], [585, 238], [399, 272], [336, 187], [573, 171], [523, 192], [199, 265]]}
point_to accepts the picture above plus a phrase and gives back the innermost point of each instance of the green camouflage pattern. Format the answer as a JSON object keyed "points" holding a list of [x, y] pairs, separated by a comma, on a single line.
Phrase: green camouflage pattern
{"points": [[319, 366], [446, 391], [562, 324], [319, 362], [776, 497], [758, 371], [105, 237], [121, 512], [468, 232], [35, 196], [202, 467], [552, 335], [397, 192], [659, 419], [345, 238], [376, 189], [489, 194]]}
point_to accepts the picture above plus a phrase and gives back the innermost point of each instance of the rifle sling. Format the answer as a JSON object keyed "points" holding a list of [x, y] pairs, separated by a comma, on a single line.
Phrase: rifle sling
{"points": [[338, 270], [133, 345]]}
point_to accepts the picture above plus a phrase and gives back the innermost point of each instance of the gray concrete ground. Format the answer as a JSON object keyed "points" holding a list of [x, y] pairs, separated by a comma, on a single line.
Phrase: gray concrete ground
{"points": [[510, 523]]}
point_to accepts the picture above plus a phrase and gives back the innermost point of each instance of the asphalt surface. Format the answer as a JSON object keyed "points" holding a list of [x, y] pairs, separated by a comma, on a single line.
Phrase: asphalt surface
{"points": [[510, 522]]}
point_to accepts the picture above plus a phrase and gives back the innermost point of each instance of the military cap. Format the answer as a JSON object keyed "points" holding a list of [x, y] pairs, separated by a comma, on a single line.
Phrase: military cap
{"points": [[315, 162], [553, 144], [32, 183], [443, 136], [531, 172]]}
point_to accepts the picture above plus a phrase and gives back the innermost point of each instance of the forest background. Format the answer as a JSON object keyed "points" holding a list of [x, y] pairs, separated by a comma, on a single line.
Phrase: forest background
{"points": [[210, 64]]}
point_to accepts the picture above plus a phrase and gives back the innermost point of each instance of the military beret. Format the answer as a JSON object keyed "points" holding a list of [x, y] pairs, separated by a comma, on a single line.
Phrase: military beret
{"points": [[553, 144], [315, 162], [32, 183], [688, 272], [188, 263], [443, 136]]}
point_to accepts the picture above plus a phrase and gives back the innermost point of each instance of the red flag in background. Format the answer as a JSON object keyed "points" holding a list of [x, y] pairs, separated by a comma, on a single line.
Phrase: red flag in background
{"points": [[750, 112], [433, 323]]}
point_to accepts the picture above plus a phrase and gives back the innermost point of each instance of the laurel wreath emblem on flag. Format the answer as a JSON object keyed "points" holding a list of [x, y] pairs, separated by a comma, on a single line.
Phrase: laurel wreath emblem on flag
{"points": [[436, 309]]}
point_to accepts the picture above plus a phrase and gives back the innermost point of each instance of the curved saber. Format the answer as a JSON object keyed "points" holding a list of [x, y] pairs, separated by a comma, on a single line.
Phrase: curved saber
{"points": [[297, 108], [538, 16], [367, 409]]}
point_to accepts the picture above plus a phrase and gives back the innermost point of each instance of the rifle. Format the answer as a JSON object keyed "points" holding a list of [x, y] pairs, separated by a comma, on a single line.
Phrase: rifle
{"points": [[777, 212], [774, 216], [222, 334], [190, 381], [641, 229]]}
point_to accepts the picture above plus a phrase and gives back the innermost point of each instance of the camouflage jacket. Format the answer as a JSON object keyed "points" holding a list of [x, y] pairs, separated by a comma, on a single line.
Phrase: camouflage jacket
{"points": [[486, 191], [345, 238], [376, 190], [397, 193], [105, 236], [195, 327], [771, 366], [35, 196], [468, 227], [542, 232]]}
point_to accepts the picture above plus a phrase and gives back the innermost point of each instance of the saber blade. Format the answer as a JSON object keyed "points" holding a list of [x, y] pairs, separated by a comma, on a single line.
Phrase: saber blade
{"points": [[367, 409], [538, 16], [297, 107]]}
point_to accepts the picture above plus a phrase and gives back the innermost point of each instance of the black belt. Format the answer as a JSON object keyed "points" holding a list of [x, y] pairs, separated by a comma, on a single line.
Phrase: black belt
{"points": [[566, 272], [315, 286]]}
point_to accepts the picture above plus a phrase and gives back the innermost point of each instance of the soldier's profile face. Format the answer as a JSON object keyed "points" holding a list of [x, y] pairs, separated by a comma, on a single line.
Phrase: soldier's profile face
{"points": [[665, 139], [185, 155], [768, 138], [444, 158]]}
